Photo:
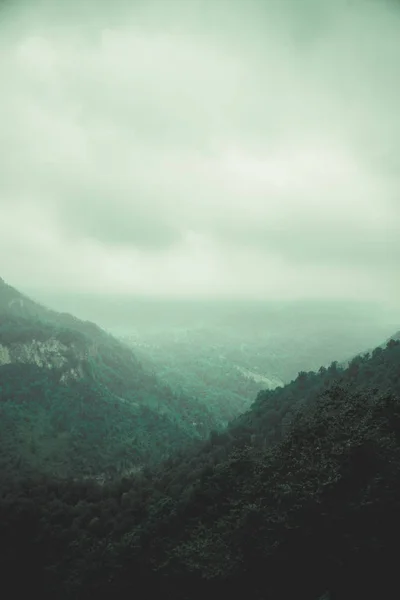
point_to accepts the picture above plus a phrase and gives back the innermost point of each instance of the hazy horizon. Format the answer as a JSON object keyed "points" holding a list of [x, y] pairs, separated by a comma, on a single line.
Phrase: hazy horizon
{"points": [[367, 322], [241, 149]]}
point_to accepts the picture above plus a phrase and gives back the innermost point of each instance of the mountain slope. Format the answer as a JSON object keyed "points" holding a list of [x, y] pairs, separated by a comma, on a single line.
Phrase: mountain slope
{"points": [[75, 400], [395, 336], [314, 512], [344, 364]]}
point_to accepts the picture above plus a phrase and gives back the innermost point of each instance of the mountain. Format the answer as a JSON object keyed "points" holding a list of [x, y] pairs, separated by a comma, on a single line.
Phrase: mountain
{"points": [[345, 363], [298, 498], [74, 400], [273, 410], [395, 336]]}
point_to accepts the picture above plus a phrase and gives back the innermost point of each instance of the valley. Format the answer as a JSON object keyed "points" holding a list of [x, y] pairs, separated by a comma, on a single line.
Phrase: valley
{"points": [[196, 457], [199, 314]]}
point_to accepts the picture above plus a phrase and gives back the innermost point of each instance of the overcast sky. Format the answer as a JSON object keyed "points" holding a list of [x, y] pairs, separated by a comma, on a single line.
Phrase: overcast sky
{"points": [[203, 147]]}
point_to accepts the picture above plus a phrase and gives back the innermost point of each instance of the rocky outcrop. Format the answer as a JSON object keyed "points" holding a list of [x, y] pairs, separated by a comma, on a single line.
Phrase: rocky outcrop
{"points": [[5, 358], [48, 354]]}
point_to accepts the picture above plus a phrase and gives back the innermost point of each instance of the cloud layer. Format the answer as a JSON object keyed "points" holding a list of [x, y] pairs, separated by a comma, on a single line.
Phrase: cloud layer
{"points": [[201, 148]]}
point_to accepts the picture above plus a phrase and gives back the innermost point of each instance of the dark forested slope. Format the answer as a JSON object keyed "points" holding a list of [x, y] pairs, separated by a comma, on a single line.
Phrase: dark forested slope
{"points": [[273, 410], [293, 514]]}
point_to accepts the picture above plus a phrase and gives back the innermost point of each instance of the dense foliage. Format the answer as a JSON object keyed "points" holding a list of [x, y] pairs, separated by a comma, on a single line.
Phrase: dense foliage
{"points": [[276, 508], [77, 429], [273, 410]]}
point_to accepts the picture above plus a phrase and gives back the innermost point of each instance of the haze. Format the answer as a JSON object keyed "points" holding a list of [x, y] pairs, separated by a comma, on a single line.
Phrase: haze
{"points": [[203, 149]]}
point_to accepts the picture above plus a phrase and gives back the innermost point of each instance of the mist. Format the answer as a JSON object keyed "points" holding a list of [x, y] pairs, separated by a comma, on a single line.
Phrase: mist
{"points": [[201, 150]]}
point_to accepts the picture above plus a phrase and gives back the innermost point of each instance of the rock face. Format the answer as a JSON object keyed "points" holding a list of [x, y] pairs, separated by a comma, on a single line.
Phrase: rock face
{"points": [[5, 357], [49, 354], [39, 342]]}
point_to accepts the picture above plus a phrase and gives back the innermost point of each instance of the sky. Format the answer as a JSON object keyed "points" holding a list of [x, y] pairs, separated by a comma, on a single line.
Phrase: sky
{"points": [[203, 148]]}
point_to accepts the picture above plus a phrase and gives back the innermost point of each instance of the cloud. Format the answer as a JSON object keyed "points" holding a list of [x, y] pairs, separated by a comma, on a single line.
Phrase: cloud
{"points": [[201, 148]]}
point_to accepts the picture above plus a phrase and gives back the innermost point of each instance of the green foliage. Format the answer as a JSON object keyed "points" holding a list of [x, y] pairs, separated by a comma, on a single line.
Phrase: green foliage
{"points": [[315, 510], [272, 412], [77, 429]]}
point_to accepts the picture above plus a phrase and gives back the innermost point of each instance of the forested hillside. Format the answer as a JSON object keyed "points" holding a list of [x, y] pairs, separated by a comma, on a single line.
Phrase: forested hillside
{"points": [[274, 410], [76, 401], [294, 501]]}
